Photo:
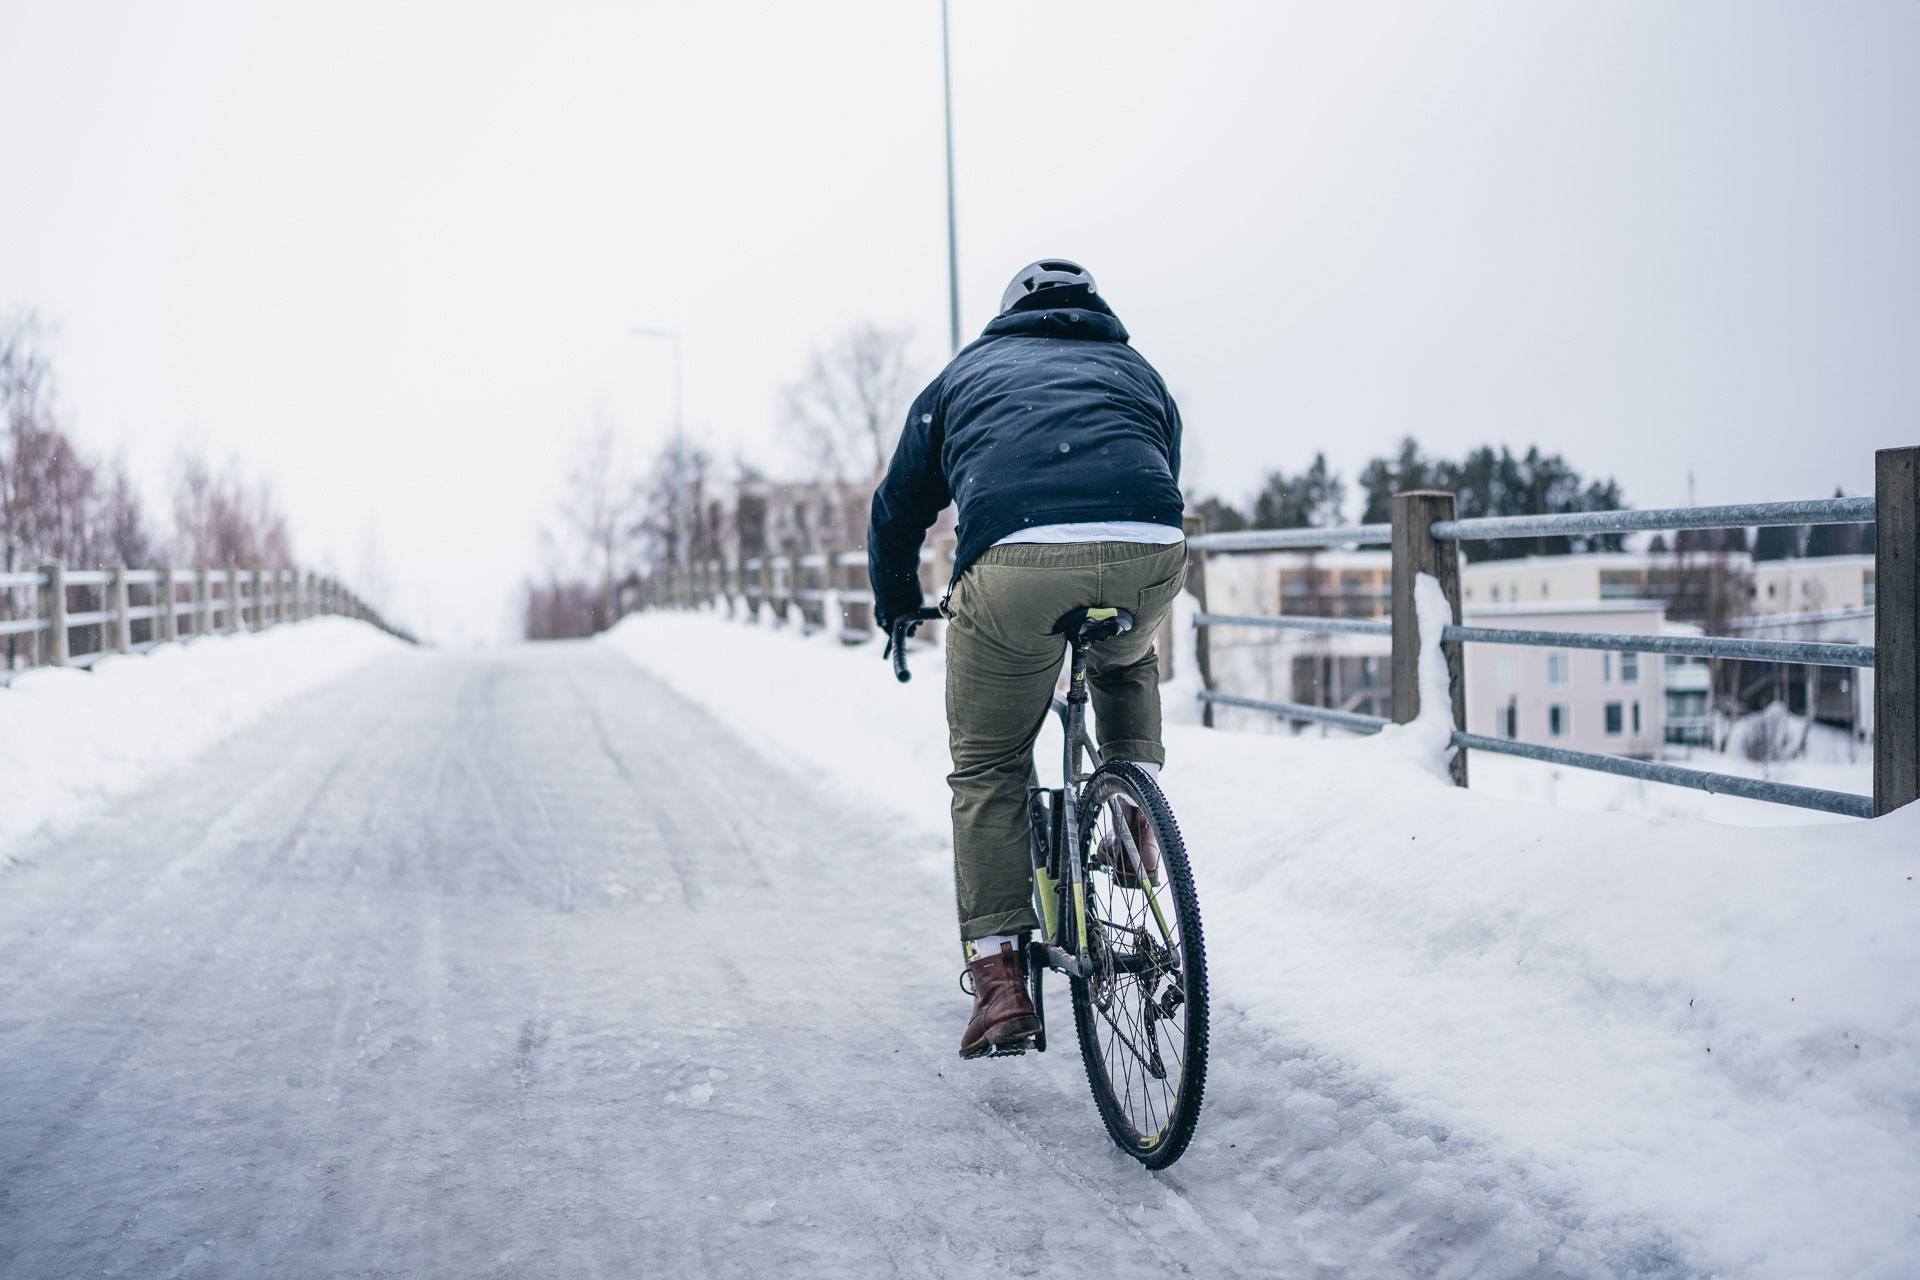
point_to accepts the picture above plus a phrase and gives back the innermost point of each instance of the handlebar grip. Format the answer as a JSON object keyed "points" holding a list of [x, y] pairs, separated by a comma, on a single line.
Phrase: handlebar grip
{"points": [[900, 671], [902, 627]]}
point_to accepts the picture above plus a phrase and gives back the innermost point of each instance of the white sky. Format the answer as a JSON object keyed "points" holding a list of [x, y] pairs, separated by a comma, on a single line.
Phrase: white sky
{"points": [[389, 253]]}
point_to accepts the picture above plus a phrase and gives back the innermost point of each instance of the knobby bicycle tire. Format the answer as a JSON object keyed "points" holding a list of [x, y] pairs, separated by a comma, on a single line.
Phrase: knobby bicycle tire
{"points": [[1119, 1048]]}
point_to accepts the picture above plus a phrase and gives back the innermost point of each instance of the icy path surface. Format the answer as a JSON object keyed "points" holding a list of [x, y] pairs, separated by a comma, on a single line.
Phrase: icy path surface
{"points": [[517, 965]]}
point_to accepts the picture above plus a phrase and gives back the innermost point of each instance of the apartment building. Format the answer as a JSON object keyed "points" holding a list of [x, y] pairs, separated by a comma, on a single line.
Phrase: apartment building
{"points": [[1819, 584], [1581, 699]]}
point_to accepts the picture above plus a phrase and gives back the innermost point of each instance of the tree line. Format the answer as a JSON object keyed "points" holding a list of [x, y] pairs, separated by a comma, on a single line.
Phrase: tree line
{"points": [[60, 505], [1486, 482]]}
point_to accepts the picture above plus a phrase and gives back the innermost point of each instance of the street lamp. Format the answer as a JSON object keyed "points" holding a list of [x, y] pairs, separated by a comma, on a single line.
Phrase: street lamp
{"points": [[679, 436], [953, 247]]}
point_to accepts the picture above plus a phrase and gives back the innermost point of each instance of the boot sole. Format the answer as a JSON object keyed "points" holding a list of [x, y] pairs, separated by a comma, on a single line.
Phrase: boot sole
{"points": [[1000, 1033]]}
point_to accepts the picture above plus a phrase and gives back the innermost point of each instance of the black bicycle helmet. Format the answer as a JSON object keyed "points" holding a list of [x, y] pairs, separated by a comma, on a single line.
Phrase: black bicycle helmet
{"points": [[1047, 273]]}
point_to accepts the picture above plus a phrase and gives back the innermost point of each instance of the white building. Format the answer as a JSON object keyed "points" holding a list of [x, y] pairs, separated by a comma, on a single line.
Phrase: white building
{"points": [[1581, 699], [1818, 584]]}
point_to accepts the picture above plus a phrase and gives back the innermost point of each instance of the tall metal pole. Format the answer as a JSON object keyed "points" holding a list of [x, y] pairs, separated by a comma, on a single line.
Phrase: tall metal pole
{"points": [[953, 247]]}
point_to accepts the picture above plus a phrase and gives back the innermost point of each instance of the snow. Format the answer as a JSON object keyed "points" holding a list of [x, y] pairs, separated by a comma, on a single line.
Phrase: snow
{"points": [[75, 740], [1649, 1045]]}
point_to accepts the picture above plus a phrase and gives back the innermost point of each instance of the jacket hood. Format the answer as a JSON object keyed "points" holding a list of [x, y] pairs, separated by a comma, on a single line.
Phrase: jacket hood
{"points": [[1079, 313]]}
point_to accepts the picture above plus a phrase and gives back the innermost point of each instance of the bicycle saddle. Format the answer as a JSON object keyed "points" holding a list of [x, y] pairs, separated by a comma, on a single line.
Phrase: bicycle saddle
{"points": [[1093, 623]]}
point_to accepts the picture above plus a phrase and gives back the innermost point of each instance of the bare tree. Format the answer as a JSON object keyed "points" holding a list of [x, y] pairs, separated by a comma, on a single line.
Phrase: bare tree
{"points": [[846, 412], [597, 491], [222, 521]]}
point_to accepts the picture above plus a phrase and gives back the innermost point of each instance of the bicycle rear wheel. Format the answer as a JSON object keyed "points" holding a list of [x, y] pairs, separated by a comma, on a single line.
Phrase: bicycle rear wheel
{"points": [[1141, 1014]]}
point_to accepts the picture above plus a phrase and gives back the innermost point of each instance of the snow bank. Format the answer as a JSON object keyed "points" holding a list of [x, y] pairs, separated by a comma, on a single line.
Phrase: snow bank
{"points": [[1704, 1035], [72, 740]]}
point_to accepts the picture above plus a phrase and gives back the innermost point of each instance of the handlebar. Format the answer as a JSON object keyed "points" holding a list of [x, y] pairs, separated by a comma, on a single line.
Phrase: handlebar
{"points": [[903, 626]]}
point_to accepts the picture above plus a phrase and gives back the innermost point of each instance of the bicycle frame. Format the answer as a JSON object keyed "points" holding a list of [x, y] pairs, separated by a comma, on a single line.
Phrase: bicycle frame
{"points": [[1072, 711]]}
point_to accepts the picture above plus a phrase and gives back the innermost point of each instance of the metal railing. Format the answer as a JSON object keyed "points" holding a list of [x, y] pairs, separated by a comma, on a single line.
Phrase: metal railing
{"points": [[1425, 538], [41, 626]]}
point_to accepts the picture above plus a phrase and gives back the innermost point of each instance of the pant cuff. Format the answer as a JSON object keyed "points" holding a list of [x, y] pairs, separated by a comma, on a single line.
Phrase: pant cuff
{"points": [[1137, 749], [1021, 921]]}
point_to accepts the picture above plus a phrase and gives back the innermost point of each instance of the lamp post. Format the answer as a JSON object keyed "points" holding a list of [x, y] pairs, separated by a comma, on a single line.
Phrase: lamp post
{"points": [[953, 247], [679, 437]]}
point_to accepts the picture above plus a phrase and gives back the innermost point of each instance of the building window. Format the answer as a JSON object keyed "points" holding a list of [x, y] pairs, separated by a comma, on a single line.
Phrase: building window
{"points": [[1557, 669], [1545, 589], [1606, 668], [1558, 721], [1510, 719], [1496, 593], [1636, 719], [1630, 669], [1615, 719], [1506, 670]]}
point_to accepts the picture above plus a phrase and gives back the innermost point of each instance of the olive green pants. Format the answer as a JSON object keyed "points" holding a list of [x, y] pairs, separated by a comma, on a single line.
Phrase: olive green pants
{"points": [[1003, 660]]}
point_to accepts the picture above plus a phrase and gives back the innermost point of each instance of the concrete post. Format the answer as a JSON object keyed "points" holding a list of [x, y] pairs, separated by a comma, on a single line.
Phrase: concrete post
{"points": [[1416, 552], [856, 615], [53, 607], [1896, 629], [119, 632], [166, 627]]}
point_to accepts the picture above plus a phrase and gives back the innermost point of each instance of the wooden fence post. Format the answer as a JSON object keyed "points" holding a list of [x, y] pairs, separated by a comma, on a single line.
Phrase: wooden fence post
{"points": [[1416, 552], [53, 607], [167, 596], [202, 602], [120, 637], [855, 615], [1896, 629], [1193, 526]]}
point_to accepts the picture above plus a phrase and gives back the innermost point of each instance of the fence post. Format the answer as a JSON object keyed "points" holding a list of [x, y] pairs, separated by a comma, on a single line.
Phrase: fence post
{"points": [[1896, 629], [122, 633], [53, 607], [202, 602], [166, 625], [1192, 526], [1416, 552]]}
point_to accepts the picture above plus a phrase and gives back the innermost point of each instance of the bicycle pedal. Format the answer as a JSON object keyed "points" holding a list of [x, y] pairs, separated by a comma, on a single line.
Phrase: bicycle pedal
{"points": [[1011, 1048]]}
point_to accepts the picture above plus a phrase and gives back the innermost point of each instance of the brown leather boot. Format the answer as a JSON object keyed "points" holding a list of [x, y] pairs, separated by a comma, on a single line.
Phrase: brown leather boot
{"points": [[1002, 1010], [1114, 853]]}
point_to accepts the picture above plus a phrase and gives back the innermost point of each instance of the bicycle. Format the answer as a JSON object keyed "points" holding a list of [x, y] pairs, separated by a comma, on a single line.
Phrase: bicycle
{"points": [[1128, 941]]}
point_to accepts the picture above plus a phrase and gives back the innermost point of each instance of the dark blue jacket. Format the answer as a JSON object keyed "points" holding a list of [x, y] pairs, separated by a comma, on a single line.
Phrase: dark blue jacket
{"points": [[1049, 417]]}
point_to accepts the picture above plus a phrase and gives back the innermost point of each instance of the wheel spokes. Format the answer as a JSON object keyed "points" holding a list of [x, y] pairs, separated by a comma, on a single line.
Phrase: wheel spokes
{"points": [[1139, 952]]}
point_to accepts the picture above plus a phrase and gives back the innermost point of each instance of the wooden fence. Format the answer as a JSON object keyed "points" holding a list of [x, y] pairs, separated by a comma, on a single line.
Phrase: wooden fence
{"points": [[62, 617], [1425, 539]]}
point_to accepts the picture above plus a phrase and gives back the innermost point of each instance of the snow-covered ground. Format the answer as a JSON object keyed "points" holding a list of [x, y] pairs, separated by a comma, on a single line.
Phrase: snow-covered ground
{"points": [[74, 740], [1700, 1042]]}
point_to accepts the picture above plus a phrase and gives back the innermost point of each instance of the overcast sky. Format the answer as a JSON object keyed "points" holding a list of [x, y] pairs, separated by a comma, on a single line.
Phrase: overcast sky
{"points": [[390, 253]]}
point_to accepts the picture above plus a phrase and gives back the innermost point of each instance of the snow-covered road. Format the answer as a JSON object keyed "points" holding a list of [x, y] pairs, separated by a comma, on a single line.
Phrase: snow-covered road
{"points": [[517, 964]]}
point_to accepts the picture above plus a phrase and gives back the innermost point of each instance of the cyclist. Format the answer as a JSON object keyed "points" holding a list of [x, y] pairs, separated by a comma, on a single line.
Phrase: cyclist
{"points": [[1061, 447]]}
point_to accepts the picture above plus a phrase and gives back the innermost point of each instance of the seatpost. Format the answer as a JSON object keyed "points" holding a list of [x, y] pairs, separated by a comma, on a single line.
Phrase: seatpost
{"points": [[1077, 683]]}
